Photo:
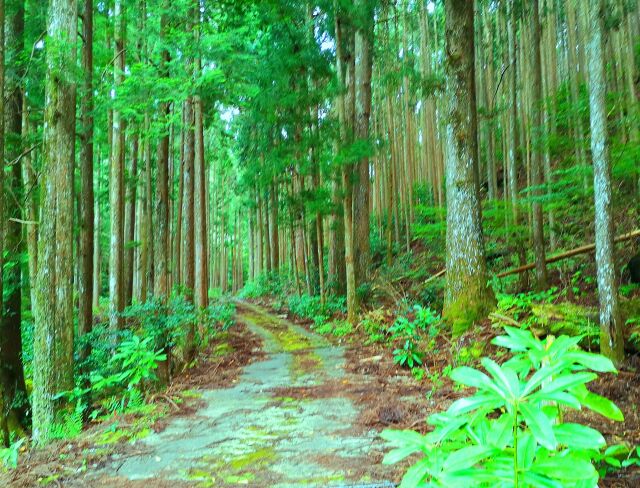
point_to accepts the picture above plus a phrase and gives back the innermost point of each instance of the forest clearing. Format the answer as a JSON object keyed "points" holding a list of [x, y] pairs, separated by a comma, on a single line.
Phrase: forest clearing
{"points": [[332, 243]]}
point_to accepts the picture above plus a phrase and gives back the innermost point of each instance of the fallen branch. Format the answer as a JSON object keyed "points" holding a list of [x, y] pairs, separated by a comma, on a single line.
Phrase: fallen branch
{"points": [[568, 254], [558, 257]]}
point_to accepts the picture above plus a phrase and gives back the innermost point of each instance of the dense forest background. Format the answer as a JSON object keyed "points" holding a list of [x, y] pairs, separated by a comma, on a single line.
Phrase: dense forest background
{"points": [[157, 155]]}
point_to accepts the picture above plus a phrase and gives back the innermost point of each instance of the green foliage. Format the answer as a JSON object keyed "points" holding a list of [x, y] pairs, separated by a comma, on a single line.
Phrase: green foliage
{"points": [[407, 355], [266, 284], [69, 423], [9, 455], [338, 328], [425, 323], [374, 324], [510, 432], [221, 315], [116, 387], [134, 362]]}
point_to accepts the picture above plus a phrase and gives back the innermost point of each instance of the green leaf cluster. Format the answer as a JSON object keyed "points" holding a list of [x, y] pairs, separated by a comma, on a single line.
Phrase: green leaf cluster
{"points": [[510, 432]]}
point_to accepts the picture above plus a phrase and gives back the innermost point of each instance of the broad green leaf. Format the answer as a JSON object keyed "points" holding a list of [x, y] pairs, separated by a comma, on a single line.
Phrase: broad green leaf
{"points": [[568, 381], [416, 473], [559, 397], [578, 436], [518, 340], [468, 404], [477, 379], [501, 431], [561, 345], [596, 362], [403, 437], [526, 451], [539, 424], [567, 468], [396, 455], [467, 457], [534, 480], [599, 404], [505, 378], [541, 376]]}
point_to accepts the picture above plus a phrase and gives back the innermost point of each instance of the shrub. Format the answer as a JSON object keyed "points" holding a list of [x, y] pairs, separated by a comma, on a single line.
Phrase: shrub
{"points": [[511, 431]]}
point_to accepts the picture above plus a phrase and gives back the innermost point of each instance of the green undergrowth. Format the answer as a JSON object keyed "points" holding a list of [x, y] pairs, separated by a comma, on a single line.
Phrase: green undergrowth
{"points": [[119, 387], [511, 430]]}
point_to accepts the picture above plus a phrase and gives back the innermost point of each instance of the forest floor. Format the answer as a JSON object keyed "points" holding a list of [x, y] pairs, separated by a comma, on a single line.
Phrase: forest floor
{"points": [[292, 417], [273, 404]]}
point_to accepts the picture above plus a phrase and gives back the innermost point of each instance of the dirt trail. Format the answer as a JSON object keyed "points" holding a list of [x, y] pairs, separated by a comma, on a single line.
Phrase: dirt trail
{"points": [[285, 423]]}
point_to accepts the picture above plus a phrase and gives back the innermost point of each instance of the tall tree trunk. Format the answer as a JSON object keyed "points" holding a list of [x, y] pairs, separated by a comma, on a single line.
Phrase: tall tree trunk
{"points": [[364, 38], [146, 220], [345, 47], [87, 217], [188, 230], [53, 311], [116, 182], [4, 429], [130, 219], [31, 209], [11, 368], [337, 268], [611, 324], [201, 289], [161, 249], [537, 163], [273, 228], [467, 296]]}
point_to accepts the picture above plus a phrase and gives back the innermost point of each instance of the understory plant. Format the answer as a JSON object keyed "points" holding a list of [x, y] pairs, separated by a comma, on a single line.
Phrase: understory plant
{"points": [[511, 432], [410, 332]]}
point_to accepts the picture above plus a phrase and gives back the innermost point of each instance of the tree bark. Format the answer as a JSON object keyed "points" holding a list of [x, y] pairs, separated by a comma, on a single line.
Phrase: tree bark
{"points": [[116, 183], [53, 311], [467, 296], [611, 324], [200, 218], [537, 163], [161, 237], [188, 231], [11, 368], [4, 429], [130, 219], [87, 217], [364, 38]]}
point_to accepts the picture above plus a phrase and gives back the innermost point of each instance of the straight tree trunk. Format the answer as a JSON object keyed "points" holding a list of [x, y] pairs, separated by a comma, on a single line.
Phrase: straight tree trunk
{"points": [[130, 219], [611, 324], [161, 236], [116, 183], [87, 217], [53, 311], [273, 227], [337, 268], [467, 296], [200, 218], [345, 47], [31, 209], [364, 38], [11, 368], [188, 230], [4, 429], [537, 163]]}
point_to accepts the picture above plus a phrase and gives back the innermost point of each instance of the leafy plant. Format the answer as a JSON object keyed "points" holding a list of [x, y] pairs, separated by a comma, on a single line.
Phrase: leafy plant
{"points": [[510, 432], [9, 455], [407, 355]]}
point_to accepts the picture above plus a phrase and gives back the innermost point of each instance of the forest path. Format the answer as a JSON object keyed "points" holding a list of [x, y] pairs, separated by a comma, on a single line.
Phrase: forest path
{"points": [[285, 423]]}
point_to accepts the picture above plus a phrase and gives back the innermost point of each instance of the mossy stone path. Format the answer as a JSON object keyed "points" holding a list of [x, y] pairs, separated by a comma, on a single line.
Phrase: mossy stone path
{"points": [[249, 435]]}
